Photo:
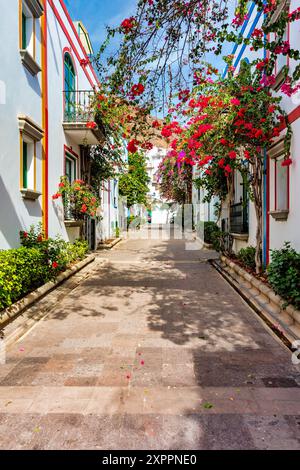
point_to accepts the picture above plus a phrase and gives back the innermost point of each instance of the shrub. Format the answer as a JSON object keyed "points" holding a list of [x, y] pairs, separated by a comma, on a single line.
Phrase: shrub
{"points": [[211, 230], [24, 269], [284, 274], [247, 257], [21, 271]]}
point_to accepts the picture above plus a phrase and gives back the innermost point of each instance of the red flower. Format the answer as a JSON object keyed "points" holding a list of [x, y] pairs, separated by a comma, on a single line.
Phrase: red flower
{"points": [[232, 155], [247, 154], [221, 162], [132, 146], [228, 169], [223, 141], [166, 132], [101, 98], [138, 89], [235, 102], [155, 124], [56, 196], [54, 265], [128, 24], [40, 238], [61, 185], [25, 234], [84, 62], [147, 146], [91, 125], [287, 162], [83, 208]]}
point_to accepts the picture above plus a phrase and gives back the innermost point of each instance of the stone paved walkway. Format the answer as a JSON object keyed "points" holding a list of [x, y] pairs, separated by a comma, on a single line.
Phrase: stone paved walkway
{"points": [[152, 351]]}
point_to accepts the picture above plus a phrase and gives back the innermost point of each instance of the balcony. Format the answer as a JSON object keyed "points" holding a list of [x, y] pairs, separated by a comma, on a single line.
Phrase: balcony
{"points": [[239, 223], [78, 111]]}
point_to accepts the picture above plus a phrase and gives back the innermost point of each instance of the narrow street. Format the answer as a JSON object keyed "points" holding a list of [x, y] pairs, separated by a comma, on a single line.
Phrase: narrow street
{"points": [[153, 350]]}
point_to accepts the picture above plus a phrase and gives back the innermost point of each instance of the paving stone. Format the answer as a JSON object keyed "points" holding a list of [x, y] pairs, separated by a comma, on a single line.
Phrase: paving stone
{"points": [[151, 350]]}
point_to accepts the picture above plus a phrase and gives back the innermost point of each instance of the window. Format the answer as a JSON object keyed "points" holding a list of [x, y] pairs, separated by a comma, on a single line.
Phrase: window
{"points": [[28, 164], [70, 102], [71, 168], [281, 185], [27, 29], [30, 33], [24, 32]]}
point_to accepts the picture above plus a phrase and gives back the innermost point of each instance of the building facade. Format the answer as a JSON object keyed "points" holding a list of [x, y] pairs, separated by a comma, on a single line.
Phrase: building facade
{"points": [[281, 185], [46, 85]]}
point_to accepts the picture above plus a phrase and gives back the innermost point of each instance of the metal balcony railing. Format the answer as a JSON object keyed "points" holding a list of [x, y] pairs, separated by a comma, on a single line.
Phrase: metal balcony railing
{"points": [[239, 222], [78, 105]]}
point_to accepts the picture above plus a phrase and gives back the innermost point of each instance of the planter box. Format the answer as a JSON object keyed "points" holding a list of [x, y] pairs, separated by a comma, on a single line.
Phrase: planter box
{"points": [[74, 229], [262, 298]]}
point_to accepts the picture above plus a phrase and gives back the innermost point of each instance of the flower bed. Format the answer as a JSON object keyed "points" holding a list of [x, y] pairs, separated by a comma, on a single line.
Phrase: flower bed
{"points": [[38, 261]]}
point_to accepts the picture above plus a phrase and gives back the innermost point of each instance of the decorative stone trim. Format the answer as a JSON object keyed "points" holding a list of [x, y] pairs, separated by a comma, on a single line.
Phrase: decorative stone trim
{"points": [[277, 149], [240, 236], [36, 7], [280, 215], [29, 62], [30, 194], [264, 299], [30, 128], [74, 223]]}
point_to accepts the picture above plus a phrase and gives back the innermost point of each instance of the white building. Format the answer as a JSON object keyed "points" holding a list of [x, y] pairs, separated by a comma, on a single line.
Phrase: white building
{"points": [[160, 212], [46, 82], [281, 188]]}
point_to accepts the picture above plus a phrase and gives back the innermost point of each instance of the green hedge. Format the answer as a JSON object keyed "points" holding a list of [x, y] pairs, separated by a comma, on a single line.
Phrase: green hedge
{"points": [[24, 269], [284, 274]]}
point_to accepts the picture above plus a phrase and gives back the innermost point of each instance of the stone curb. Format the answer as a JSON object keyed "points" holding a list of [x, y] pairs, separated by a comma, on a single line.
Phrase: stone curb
{"points": [[265, 299], [8, 314], [108, 246]]}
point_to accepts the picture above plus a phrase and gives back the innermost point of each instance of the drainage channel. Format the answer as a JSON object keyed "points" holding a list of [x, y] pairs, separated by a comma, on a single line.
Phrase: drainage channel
{"points": [[262, 316]]}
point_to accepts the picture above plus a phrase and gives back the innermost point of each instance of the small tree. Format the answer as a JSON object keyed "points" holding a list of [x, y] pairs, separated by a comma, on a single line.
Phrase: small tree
{"points": [[134, 183]]}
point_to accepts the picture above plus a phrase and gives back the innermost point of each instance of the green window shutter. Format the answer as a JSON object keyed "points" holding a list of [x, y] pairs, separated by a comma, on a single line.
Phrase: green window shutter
{"points": [[25, 169], [24, 35]]}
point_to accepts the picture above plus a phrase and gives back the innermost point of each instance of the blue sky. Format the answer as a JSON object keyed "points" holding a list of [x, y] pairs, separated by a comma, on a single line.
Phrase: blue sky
{"points": [[96, 14]]}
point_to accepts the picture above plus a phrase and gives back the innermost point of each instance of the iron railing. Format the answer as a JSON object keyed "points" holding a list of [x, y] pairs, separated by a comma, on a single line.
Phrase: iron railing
{"points": [[239, 222], [78, 105]]}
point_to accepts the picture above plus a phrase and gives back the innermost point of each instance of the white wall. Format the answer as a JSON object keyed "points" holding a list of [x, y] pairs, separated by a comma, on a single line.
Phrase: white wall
{"points": [[23, 96]]}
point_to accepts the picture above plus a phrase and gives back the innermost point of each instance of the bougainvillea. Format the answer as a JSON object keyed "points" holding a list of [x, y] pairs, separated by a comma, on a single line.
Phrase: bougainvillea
{"points": [[78, 198], [161, 30], [229, 122]]}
